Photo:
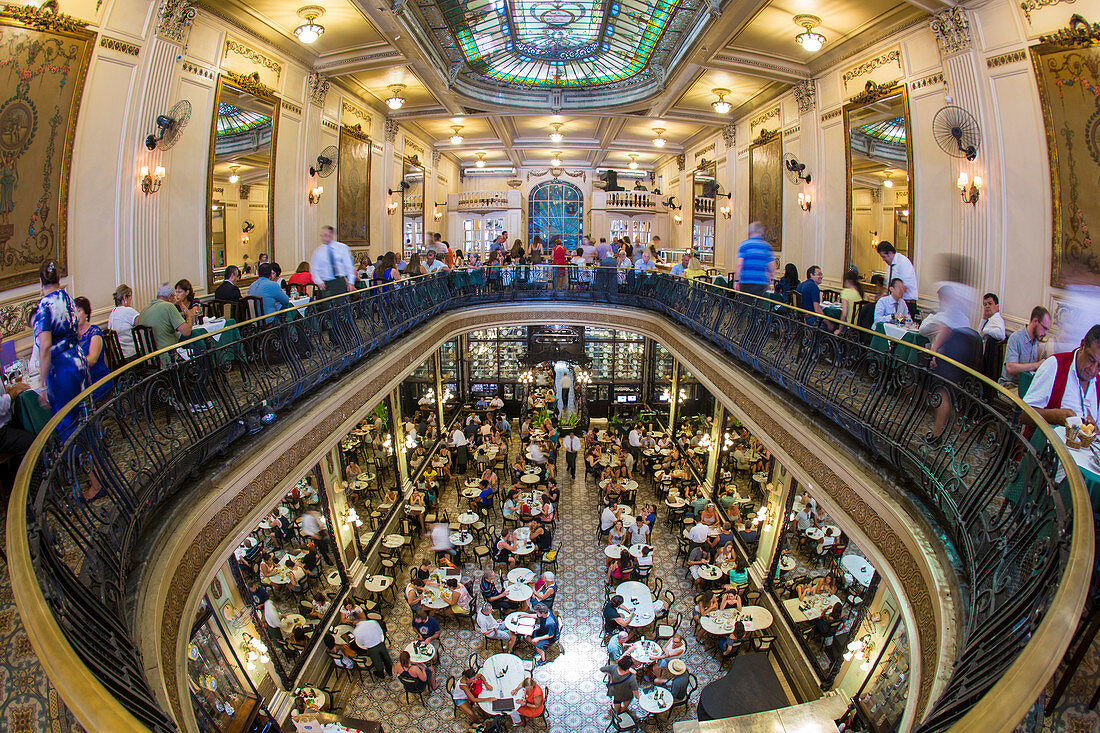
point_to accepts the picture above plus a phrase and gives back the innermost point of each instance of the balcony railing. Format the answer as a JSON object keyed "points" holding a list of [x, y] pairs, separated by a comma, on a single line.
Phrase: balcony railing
{"points": [[483, 200], [704, 205], [632, 200], [1024, 556]]}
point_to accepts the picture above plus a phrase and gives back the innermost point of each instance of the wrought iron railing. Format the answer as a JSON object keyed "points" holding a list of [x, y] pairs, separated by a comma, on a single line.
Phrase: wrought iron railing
{"points": [[1024, 554]]}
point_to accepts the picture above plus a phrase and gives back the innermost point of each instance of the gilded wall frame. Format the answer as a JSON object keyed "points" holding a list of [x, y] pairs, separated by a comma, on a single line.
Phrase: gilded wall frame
{"points": [[766, 185], [353, 184], [46, 57], [1067, 68]]}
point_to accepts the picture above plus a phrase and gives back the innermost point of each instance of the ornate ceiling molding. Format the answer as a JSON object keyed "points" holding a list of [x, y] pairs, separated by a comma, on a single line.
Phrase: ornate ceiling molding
{"points": [[729, 136], [234, 46], [805, 93], [952, 31], [174, 20], [318, 85]]}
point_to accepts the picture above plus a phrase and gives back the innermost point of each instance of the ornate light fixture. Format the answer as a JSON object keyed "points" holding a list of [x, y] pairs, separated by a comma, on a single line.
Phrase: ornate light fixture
{"points": [[396, 101], [971, 190], [583, 378], [805, 201], [809, 39], [659, 141], [633, 161], [456, 139], [150, 182], [310, 31], [480, 160], [721, 106], [556, 160], [527, 378], [556, 136], [233, 177], [315, 194]]}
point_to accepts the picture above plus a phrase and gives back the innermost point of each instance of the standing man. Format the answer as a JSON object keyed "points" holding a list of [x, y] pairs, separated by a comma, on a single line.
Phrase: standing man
{"points": [[369, 637], [588, 250], [634, 438], [331, 265], [900, 267], [755, 262], [572, 445]]}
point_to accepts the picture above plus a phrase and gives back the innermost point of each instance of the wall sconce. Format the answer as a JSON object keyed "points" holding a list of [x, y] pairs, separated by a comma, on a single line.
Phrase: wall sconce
{"points": [[437, 214], [726, 211], [805, 201], [971, 190], [255, 651], [861, 649], [315, 194], [678, 218], [391, 206], [150, 183], [351, 518], [874, 239]]}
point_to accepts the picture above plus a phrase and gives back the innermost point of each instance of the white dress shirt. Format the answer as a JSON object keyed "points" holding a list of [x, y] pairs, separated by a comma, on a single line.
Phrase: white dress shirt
{"points": [[886, 307], [536, 454], [571, 443], [458, 438], [121, 321], [368, 634], [993, 327], [1038, 394], [902, 267], [323, 259], [607, 519], [635, 438], [699, 533]]}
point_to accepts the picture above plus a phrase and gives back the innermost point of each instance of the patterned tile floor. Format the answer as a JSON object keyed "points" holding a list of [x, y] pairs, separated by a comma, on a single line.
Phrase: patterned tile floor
{"points": [[576, 697]]}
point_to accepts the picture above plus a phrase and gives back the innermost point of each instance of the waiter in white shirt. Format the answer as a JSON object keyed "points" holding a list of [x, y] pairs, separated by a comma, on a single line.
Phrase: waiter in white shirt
{"points": [[331, 265], [571, 443], [462, 452], [634, 438], [993, 323], [900, 267]]}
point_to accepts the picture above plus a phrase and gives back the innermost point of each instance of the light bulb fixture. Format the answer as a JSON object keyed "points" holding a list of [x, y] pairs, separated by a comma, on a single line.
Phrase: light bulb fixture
{"points": [[887, 183], [805, 201], [391, 206], [556, 136], [396, 101], [233, 177], [678, 218], [971, 190], [150, 182], [633, 161], [726, 211], [721, 106], [659, 141], [456, 139], [809, 39], [437, 214], [666, 395], [556, 160], [315, 194], [310, 31], [527, 378], [480, 160]]}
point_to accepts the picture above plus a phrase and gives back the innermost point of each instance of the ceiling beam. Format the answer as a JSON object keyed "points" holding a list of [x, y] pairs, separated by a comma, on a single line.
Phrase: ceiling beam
{"points": [[364, 58], [759, 66], [611, 130], [506, 137]]}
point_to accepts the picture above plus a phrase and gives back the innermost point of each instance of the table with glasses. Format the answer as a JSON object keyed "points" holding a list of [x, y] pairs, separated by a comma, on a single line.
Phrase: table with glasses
{"points": [[521, 575], [858, 568], [644, 650], [637, 597], [655, 700], [908, 334], [505, 672], [814, 606], [421, 652], [313, 696]]}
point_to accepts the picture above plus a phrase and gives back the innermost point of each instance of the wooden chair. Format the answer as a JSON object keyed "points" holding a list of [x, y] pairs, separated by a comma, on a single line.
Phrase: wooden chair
{"points": [[669, 627], [414, 689], [145, 342], [682, 705], [763, 643], [112, 349], [549, 560]]}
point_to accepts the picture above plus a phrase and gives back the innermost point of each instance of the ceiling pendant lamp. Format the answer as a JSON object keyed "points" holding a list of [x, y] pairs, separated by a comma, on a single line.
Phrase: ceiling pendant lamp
{"points": [[659, 141], [556, 160], [556, 136], [310, 31], [721, 106], [233, 177], [633, 161], [396, 101], [809, 39], [480, 160], [456, 138]]}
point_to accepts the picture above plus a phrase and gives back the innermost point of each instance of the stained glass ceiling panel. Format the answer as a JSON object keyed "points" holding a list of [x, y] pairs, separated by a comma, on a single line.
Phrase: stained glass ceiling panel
{"points": [[557, 42], [892, 131], [233, 120]]}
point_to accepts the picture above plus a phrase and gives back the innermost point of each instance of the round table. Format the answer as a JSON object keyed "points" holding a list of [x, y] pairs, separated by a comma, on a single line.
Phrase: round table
{"points": [[637, 597], [461, 538], [655, 700], [859, 568], [529, 470], [333, 578], [468, 518], [786, 563], [524, 547], [421, 651], [519, 622], [529, 478], [760, 478], [675, 502], [343, 632], [393, 541], [613, 552], [433, 598], [759, 618], [630, 484], [472, 483], [471, 493], [521, 575], [505, 672], [645, 651], [719, 623], [815, 533], [295, 619], [313, 696], [523, 533], [710, 572], [377, 583], [518, 592]]}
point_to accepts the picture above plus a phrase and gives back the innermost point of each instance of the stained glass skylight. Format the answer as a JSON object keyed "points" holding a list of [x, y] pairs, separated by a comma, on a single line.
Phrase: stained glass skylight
{"points": [[551, 43], [233, 120], [892, 131]]}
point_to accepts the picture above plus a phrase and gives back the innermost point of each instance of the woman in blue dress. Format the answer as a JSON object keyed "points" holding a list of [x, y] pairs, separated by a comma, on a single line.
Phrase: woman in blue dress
{"points": [[91, 343], [61, 361]]}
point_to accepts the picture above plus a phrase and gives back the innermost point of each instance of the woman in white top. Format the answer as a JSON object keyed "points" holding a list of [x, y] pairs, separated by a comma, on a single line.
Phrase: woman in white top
{"points": [[673, 648], [121, 320]]}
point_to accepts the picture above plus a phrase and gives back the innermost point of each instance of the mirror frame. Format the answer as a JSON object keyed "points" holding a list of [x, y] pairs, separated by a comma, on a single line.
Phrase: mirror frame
{"points": [[245, 85], [871, 94], [412, 161], [697, 216]]}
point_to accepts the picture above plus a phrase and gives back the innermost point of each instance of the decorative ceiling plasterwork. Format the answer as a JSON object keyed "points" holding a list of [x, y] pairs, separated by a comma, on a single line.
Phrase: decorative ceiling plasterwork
{"points": [[234, 46], [952, 31], [174, 19], [729, 136], [318, 85], [805, 93]]}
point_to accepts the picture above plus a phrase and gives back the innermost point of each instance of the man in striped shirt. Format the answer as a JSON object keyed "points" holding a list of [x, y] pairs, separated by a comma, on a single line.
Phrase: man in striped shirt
{"points": [[755, 262]]}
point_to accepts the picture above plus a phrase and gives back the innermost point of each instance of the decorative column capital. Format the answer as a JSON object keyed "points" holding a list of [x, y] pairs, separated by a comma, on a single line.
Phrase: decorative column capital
{"points": [[437, 156], [174, 20], [805, 93], [952, 31], [729, 135], [318, 85], [391, 130]]}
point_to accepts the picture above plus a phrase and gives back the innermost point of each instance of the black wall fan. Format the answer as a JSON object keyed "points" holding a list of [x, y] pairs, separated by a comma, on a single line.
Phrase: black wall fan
{"points": [[957, 132], [796, 172], [326, 162], [170, 126]]}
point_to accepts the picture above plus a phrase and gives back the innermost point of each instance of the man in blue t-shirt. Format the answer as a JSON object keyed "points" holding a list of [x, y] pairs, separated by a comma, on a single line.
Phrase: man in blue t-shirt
{"points": [[809, 292], [274, 297], [755, 262]]}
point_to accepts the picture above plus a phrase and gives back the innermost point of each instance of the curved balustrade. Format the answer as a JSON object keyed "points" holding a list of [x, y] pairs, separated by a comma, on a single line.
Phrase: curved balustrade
{"points": [[1024, 554]]}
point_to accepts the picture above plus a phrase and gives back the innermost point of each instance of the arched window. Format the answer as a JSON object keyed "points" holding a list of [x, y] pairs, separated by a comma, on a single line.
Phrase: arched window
{"points": [[556, 208]]}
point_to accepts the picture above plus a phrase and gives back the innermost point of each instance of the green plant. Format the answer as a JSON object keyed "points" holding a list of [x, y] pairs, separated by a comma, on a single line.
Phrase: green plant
{"points": [[571, 420]]}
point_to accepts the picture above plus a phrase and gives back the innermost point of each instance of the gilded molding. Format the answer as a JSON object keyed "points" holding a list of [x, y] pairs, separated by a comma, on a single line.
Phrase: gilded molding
{"points": [[42, 19], [355, 131], [760, 119], [729, 135], [700, 153], [765, 136], [1005, 59], [330, 124], [254, 56], [868, 66], [318, 85], [1079, 32], [792, 130], [1028, 6], [251, 83], [174, 19], [16, 315], [114, 44], [936, 78], [198, 70], [873, 92], [826, 116], [290, 106], [391, 130]]}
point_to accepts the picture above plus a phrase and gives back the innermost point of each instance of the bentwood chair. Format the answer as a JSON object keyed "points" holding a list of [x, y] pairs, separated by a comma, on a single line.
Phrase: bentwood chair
{"points": [[112, 349]]}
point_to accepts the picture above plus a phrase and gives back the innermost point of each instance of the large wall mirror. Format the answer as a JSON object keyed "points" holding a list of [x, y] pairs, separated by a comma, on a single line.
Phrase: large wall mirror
{"points": [[412, 206], [704, 188], [240, 219], [880, 175]]}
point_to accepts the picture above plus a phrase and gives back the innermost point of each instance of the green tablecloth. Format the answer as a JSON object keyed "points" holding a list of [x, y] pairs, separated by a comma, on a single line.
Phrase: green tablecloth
{"points": [[777, 297], [910, 355], [30, 415], [832, 312], [229, 338]]}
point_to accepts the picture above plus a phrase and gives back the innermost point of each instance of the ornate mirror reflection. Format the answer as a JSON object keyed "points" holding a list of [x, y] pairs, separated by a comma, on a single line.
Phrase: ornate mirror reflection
{"points": [[412, 206], [704, 190], [240, 219], [877, 139]]}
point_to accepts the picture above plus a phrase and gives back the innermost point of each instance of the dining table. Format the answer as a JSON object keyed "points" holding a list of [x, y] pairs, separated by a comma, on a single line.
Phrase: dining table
{"points": [[505, 672], [393, 541], [1088, 460], [521, 575], [655, 700], [377, 583], [468, 518], [814, 606], [518, 592], [313, 696], [637, 597], [858, 567], [644, 650], [908, 334], [421, 652], [461, 538]]}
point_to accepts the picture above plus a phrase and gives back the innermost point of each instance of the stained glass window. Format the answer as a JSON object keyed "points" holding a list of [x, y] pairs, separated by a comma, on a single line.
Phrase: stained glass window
{"points": [[892, 131], [556, 208], [234, 120]]}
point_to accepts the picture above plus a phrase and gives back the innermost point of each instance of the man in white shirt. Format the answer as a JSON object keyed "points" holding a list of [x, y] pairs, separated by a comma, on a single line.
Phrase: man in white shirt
{"points": [[699, 533], [496, 403], [1065, 384], [369, 637], [993, 323], [571, 443], [900, 266], [891, 306], [608, 518], [536, 454], [634, 441], [639, 532], [462, 453], [331, 265], [433, 264]]}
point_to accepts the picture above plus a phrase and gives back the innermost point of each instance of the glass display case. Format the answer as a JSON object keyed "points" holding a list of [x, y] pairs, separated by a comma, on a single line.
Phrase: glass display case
{"points": [[882, 702], [602, 355], [221, 701]]}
